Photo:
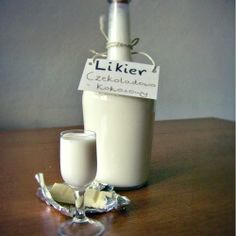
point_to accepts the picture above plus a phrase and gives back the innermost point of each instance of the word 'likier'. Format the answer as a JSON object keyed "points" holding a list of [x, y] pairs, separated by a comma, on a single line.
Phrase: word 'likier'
{"points": [[123, 68]]}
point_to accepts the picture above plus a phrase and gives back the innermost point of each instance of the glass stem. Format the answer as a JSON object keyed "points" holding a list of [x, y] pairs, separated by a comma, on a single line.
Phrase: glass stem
{"points": [[80, 216]]}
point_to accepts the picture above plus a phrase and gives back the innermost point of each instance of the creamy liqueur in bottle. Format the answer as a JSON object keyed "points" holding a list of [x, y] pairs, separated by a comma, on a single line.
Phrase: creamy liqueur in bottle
{"points": [[123, 124]]}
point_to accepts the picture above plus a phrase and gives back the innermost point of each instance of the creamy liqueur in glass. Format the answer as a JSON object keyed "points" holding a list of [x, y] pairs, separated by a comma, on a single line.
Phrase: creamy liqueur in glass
{"points": [[78, 161], [78, 165]]}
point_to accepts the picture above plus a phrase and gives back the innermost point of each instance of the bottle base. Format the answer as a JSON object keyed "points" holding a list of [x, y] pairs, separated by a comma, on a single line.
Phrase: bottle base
{"points": [[120, 188]]}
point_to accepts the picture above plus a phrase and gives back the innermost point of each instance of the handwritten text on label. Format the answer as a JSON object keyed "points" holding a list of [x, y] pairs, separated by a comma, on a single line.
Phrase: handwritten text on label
{"points": [[120, 78]]}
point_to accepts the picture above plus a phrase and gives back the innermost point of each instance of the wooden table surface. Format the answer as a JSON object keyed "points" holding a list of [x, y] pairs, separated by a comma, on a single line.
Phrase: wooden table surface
{"points": [[190, 191]]}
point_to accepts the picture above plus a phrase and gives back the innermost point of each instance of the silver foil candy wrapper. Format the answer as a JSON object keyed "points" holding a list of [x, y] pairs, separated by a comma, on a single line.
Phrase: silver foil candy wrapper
{"points": [[115, 202]]}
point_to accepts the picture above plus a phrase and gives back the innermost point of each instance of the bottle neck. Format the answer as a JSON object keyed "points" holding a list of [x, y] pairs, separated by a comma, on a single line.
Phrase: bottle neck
{"points": [[118, 31]]}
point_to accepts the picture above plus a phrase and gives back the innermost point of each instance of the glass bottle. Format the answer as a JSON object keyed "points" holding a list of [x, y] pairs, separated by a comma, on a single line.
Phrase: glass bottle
{"points": [[123, 124]]}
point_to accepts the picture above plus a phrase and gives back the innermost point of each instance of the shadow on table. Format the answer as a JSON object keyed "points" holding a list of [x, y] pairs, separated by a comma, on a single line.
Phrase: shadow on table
{"points": [[163, 174]]}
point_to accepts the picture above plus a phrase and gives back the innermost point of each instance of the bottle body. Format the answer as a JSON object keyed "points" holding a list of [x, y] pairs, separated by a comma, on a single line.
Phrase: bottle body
{"points": [[123, 125]]}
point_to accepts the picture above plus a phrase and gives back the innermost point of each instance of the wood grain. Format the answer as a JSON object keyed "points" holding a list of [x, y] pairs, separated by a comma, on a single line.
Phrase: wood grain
{"points": [[190, 192]]}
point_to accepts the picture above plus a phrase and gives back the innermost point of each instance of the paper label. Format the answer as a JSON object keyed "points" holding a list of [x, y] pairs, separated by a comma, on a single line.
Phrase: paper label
{"points": [[120, 78]]}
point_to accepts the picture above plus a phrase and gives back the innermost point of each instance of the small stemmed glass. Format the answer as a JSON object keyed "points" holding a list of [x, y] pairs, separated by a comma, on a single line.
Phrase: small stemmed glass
{"points": [[78, 165]]}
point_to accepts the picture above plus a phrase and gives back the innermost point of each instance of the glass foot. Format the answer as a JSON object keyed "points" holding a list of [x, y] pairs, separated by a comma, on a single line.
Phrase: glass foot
{"points": [[87, 227]]}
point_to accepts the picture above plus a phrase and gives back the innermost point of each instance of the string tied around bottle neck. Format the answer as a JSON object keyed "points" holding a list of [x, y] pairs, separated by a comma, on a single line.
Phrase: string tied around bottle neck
{"points": [[131, 45]]}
